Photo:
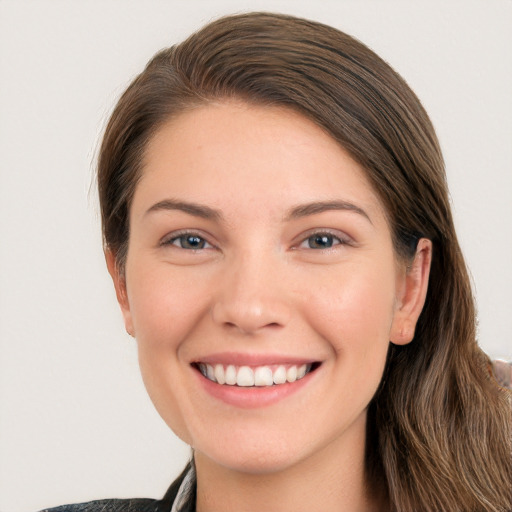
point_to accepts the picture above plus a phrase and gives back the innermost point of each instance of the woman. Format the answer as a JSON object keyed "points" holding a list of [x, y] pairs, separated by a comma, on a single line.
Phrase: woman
{"points": [[278, 230]]}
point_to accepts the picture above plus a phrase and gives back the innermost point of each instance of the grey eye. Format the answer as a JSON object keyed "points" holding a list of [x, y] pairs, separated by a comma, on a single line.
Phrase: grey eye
{"points": [[321, 241], [189, 242]]}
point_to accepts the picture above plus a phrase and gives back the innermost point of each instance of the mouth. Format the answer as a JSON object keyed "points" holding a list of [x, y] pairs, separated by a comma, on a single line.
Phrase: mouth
{"points": [[254, 376]]}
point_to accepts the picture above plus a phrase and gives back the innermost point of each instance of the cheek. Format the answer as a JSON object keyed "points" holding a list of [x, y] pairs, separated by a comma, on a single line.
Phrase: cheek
{"points": [[354, 314], [355, 305], [165, 305]]}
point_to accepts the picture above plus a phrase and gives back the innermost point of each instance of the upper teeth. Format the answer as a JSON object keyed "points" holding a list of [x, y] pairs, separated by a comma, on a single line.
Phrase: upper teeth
{"points": [[247, 376]]}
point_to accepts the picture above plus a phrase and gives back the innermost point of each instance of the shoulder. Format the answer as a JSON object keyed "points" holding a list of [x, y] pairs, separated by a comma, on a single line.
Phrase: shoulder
{"points": [[114, 505], [503, 373], [180, 492]]}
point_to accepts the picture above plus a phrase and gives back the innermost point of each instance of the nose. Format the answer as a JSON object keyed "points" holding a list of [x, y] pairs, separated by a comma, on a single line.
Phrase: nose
{"points": [[252, 295]]}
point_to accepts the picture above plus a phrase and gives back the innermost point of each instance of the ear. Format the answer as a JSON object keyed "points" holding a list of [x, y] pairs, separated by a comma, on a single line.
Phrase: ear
{"points": [[119, 281], [411, 294]]}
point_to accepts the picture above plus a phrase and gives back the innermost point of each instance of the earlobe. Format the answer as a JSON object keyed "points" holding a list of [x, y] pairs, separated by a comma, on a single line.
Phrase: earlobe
{"points": [[412, 295], [120, 286]]}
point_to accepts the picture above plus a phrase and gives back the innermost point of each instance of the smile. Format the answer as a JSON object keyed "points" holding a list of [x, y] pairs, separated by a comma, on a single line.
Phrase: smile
{"points": [[253, 376]]}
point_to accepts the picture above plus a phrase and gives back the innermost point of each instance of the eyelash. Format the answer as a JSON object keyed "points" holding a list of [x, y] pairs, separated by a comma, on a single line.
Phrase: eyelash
{"points": [[323, 236]]}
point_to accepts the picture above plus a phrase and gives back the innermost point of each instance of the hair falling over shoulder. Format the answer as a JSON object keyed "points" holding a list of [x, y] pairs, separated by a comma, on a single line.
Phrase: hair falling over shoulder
{"points": [[439, 434]]}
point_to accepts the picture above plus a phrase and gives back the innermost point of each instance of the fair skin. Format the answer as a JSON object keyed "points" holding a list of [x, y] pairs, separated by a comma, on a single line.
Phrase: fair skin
{"points": [[257, 241]]}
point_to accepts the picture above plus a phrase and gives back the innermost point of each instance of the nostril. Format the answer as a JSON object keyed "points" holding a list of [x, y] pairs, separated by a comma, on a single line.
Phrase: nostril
{"points": [[247, 328], [249, 315]]}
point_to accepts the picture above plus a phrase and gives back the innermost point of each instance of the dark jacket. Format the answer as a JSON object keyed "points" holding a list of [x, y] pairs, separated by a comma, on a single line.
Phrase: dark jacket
{"points": [[180, 497], [131, 505]]}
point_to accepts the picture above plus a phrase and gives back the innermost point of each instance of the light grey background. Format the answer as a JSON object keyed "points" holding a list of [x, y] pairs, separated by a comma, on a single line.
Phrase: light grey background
{"points": [[75, 422]]}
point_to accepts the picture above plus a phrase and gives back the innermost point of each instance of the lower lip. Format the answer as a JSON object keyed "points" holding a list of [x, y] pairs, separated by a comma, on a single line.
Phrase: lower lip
{"points": [[254, 396]]}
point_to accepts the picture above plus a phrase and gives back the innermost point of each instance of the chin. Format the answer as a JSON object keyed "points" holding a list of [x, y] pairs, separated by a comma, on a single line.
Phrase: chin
{"points": [[265, 456], [256, 464]]}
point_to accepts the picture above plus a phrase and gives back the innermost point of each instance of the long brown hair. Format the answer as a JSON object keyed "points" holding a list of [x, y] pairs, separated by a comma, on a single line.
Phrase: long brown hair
{"points": [[439, 428]]}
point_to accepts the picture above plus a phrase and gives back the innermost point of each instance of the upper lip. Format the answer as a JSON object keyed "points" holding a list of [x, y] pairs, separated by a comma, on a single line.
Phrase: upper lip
{"points": [[241, 359]]}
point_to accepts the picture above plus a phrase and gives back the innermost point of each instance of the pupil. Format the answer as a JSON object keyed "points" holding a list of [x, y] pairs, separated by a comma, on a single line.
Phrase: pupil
{"points": [[321, 241], [193, 241]]}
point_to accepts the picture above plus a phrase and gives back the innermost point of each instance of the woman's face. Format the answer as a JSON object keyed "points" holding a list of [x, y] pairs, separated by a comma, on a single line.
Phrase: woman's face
{"points": [[258, 250]]}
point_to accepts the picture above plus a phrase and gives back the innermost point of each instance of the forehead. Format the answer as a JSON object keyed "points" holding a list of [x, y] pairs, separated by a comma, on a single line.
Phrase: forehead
{"points": [[254, 155]]}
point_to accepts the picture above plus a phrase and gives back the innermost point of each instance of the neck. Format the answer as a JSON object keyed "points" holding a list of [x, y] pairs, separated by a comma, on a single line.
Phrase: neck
{"points": [[332, 479]]}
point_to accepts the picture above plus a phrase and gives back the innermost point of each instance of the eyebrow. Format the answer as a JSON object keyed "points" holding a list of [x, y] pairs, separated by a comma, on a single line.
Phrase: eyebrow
{"points": [[314, 208], [198, 210], [303, 210]]}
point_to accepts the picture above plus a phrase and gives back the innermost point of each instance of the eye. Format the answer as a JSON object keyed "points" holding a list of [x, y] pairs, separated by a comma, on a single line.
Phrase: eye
{"points": [[321, 241], [189, 241]]}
